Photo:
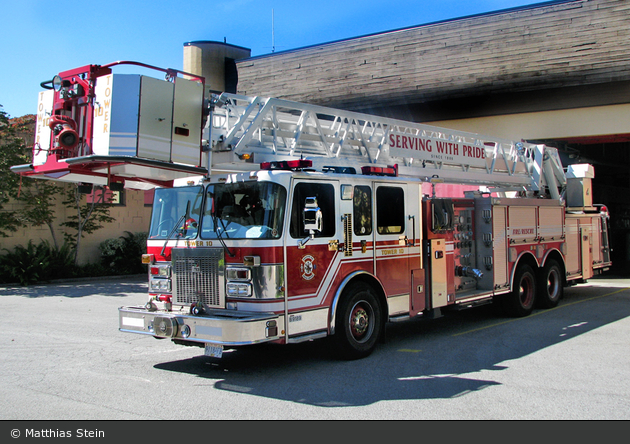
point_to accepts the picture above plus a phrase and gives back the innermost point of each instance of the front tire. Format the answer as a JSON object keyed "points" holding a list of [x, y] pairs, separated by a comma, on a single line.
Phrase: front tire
{"points": [[359, 323], [550, 285], [520, 302]]}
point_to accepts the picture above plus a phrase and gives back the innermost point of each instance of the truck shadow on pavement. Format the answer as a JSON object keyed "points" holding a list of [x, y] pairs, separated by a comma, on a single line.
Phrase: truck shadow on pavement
{"points": [[420, 359], [80, 288]]}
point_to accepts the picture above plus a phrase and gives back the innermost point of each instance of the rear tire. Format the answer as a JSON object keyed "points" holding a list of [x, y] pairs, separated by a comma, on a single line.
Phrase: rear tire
{"points": [[550, 285], [520, 302], [359, 323]]}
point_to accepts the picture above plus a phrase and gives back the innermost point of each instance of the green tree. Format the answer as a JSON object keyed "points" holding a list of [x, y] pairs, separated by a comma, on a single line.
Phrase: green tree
{"points": [[88, 217], [39, 205], [12, 152], [37, 197]]}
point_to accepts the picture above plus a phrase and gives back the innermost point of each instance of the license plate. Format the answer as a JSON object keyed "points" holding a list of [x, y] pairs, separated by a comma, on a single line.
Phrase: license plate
{"points": [[214, 351]]}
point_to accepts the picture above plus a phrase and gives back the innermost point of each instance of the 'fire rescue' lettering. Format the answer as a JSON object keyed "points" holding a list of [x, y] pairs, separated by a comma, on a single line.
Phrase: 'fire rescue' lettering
{"points": [[522, 231]]}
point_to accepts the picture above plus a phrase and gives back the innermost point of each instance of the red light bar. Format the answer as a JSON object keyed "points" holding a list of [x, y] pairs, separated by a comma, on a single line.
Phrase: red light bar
{"points": [[391, 170], [287, 165]]}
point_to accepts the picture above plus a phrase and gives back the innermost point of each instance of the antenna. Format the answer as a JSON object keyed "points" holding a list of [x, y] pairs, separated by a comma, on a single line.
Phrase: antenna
{"points": [[273, 34]]}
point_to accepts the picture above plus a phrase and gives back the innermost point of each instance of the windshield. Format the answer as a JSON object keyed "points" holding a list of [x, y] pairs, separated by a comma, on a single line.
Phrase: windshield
{"points": [[176, 212], [246, 210]]}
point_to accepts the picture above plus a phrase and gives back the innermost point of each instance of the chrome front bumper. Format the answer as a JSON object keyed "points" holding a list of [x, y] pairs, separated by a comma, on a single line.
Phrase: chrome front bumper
{"points": [[224, 327]]}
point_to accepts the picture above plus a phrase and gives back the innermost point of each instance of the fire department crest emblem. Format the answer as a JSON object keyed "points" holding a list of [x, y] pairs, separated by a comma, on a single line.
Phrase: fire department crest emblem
{"points": [[307, 267]]}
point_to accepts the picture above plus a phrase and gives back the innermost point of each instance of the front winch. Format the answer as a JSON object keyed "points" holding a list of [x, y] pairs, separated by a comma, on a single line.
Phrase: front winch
{"points": [[164, 327]]}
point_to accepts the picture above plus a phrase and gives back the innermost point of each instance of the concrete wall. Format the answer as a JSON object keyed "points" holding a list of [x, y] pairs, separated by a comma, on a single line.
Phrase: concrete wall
{"points": [[584, 122], [134, 216]]}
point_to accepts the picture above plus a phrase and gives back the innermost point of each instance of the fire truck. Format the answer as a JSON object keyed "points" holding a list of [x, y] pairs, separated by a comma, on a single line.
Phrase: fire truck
{"points": [[283, 222]]}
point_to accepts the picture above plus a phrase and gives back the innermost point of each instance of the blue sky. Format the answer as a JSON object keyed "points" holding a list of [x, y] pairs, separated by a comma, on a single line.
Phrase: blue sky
{"points": [[41, 37]]}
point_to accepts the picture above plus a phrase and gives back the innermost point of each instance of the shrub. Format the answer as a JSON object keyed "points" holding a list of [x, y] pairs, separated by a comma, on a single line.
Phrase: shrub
{"points": [[91, 270], [122, 255], [42, 262], [60, 262], [36, 263], [25, 265]]}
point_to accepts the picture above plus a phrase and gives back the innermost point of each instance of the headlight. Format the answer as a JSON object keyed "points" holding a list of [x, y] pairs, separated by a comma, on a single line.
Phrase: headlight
{"points": [[239, 289], [161, 285]]}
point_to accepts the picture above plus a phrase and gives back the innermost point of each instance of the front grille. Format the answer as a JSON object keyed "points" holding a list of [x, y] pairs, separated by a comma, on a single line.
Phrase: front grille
{"points": [[198, 276]]}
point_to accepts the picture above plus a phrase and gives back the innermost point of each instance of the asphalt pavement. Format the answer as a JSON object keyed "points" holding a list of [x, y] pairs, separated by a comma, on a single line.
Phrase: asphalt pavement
{"points": [[63, 358]]}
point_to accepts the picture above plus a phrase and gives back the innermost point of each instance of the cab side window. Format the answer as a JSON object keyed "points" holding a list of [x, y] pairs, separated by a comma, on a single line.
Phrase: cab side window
{"points": [[325, 195], [362, 204], [390, 210]]}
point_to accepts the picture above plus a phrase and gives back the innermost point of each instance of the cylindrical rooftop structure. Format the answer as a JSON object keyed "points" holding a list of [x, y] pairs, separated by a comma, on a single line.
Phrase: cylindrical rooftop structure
{"points": [[216, 61]]}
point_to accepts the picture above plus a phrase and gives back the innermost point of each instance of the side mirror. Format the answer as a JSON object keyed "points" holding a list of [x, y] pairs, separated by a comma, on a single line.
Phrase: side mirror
{"points": [[312, 215], [313, 219]]}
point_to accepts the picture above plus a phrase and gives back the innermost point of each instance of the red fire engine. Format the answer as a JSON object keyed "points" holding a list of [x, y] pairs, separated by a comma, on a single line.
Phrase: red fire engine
{"points": [[276, 221]]}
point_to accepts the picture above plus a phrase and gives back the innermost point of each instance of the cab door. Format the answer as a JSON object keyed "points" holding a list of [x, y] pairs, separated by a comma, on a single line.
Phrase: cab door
{"points": [[397, 246], [356, 240], [310, 260]]}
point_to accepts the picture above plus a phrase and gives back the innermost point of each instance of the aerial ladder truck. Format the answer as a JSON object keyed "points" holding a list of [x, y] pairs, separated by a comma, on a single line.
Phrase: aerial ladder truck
{"points": [[277, 221]]}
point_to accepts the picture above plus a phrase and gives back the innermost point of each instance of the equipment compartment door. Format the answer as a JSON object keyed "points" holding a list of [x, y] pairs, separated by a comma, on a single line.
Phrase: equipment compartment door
{"points": [[439, 279], [500, 247], [586, 251]]}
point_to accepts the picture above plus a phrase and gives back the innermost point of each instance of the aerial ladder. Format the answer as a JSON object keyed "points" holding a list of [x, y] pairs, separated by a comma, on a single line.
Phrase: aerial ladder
{"points": [[269, 129]]}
